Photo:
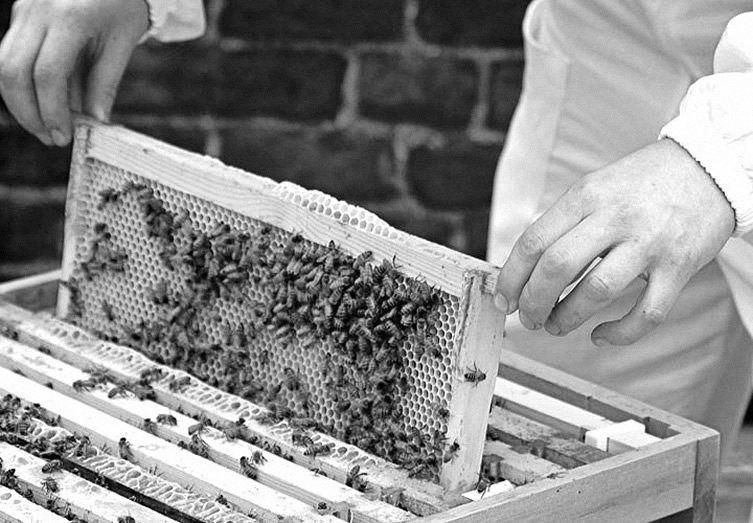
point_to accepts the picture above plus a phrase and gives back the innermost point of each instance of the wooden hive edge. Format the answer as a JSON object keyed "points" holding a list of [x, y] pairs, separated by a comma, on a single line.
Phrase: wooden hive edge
{"points": [[263, 199]]}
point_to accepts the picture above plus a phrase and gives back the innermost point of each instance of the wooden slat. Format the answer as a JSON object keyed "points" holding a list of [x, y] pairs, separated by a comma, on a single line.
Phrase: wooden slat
{"points": [[81, 350], [594, 398], [33, 292], [559, 414], [278, 473], [481, 336], [539, 439], [519, 468], [85, 499], [643, 485], [150, 451], [706, 479], [15, 508]]}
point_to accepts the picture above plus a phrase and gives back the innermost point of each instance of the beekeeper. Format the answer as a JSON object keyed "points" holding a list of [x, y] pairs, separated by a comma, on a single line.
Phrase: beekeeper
{"points": [[583, 187]]}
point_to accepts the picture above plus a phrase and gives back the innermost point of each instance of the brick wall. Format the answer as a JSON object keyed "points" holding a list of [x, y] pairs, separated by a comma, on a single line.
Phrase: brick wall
{"points": [[397, 105]]}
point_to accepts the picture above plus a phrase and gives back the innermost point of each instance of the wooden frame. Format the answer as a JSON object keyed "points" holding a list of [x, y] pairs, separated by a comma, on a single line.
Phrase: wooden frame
{"points": [[479, 326], [674, 474]]}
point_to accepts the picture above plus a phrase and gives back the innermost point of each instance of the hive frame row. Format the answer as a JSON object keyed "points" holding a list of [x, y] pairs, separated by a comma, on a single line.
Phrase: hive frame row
{"points": [[674, 476]]}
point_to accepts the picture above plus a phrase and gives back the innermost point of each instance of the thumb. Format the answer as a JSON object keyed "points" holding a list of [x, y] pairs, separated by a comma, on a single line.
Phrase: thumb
{"points": [[104, 78]]}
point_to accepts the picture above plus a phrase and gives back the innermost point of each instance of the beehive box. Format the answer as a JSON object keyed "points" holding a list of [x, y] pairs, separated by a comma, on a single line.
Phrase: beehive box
{"points": [[535, 454]]}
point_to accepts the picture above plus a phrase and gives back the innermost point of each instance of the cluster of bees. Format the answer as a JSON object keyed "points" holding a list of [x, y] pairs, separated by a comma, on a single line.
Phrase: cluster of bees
{"points": [[17, 423], [72, 452], [362, 319]]}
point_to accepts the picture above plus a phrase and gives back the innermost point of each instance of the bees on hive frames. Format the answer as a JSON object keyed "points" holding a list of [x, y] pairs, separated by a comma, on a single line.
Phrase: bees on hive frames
{"points": [[313, 297]]}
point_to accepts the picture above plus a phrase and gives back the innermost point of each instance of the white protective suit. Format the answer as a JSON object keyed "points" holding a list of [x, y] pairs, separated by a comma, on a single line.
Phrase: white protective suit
{"points": [[602, 79]]}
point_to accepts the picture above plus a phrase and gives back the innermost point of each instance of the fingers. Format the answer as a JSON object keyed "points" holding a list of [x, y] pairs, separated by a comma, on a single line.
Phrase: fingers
{"points": [[649, 312], [17, 57], [532, 244], [557, 267], [104, 77], [599, 287], [53, 72]]}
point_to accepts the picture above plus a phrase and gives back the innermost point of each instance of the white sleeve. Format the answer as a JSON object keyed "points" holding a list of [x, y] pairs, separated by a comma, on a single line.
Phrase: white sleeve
{"points": [[175, 20], [715, 122]]}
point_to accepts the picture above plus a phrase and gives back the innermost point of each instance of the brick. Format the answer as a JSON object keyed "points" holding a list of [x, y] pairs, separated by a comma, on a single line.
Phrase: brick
{"points": [[325, 20], [191, 138], [485, 23], [291, 84], [459, 176], [168, 79], [438, 92], [347, 165], [30, 229], [476, 229], [5, 16], [24, 160], [506, 82]]}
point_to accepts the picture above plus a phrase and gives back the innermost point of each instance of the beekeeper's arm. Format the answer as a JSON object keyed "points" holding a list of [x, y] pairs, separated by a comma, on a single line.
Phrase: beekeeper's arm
{"points": [[63, 55], [660, 213]]}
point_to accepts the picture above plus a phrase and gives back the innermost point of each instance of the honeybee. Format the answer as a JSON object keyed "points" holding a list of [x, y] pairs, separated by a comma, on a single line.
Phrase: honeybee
{"points": [[52, 466], [248, 469], [50, 485], [451, 452], [167, 419], [118, 390], [124, 449], [150, 426], [198, 428], [258, 458], [355, 478], [474, 375]]}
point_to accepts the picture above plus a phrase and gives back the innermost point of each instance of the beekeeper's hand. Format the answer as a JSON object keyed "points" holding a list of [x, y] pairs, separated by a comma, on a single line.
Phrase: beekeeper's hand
{"points": [[654, 214], [64, 55]]}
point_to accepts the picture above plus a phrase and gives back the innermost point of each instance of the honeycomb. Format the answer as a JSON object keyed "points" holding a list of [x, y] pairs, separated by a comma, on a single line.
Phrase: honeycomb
{"points": [[342, 343]]}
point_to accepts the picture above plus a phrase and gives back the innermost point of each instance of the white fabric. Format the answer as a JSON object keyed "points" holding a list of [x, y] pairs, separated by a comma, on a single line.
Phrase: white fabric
{"points": [[602, 79], [175, 20], [715, 124]]}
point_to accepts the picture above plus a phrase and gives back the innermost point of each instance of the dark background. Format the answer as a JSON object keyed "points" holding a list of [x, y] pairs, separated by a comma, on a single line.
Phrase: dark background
{"points": [[400, 106]]}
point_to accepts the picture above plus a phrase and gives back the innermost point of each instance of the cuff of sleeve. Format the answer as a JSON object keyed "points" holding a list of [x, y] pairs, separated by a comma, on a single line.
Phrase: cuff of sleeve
{"points": [[169, 21], [704, 144]]}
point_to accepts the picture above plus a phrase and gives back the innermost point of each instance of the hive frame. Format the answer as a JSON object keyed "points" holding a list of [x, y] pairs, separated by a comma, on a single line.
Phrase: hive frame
{"points": [[288, 207]]}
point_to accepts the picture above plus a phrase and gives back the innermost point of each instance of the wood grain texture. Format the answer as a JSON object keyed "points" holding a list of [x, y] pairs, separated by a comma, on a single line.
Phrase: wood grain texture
{"points": [[541, 440], [277, 473], [562, 415], [482, 338], [605, 491], [519, 468], [148, 451]]}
